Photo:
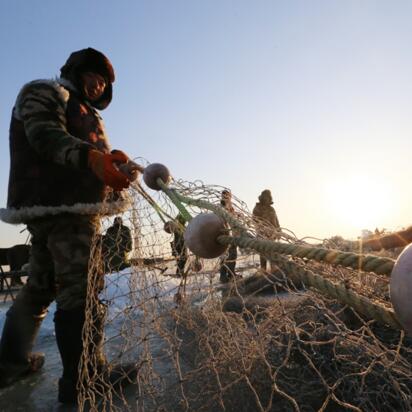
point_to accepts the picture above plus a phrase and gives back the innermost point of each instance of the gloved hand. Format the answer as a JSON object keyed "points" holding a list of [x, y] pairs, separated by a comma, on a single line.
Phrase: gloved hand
{"points": [[130, 168], [103, 166]]}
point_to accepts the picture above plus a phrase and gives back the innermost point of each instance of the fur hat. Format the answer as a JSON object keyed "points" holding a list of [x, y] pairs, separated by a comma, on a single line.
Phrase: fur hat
{"points": [[118, 221], [90, 60], [226, 194], [266, 197]]}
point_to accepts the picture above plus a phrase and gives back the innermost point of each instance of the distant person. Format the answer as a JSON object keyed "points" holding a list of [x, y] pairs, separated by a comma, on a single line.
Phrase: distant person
{"points": [[178, 246], [117, 244], [228, 264], [268, 223], [63, 176]]}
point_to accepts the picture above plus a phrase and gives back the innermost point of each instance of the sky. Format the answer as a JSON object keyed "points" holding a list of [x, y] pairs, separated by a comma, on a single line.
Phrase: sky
{"points": [[310, 99]]}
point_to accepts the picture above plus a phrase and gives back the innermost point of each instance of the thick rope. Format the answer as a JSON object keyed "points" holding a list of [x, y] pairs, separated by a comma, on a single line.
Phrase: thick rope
{"points": [[297, 273], [339, 292], [367, 263]]}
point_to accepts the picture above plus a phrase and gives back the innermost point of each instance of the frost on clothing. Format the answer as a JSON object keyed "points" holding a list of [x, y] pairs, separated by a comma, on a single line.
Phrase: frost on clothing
{"points": [[51, 131]]}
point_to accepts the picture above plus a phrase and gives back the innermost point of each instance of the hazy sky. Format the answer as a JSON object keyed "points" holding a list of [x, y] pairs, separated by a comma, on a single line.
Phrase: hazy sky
{"points": [[311, 99]]}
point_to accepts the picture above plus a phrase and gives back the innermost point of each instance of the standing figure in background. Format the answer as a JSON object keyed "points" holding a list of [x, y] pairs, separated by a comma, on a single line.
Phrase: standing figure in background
{"points": [[228, 265], [63, 176], [179, 249], [267, 218], [117, 244]]}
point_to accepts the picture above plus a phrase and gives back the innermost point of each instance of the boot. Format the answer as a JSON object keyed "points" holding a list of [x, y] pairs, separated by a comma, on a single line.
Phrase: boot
{"points": [[19, 333], [69, 329], [68, 325]]}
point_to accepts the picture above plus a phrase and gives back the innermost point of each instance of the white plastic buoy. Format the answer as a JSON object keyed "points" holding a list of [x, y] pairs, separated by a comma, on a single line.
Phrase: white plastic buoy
{"points": [[153, 172], [201, 235], [401, 288]]}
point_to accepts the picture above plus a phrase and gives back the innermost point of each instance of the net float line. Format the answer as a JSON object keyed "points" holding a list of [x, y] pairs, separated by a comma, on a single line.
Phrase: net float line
{"points": [[366, 263]]}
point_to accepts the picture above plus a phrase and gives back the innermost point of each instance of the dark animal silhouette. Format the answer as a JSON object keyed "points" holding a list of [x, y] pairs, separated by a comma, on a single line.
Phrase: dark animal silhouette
{"points": [[15, 256]]}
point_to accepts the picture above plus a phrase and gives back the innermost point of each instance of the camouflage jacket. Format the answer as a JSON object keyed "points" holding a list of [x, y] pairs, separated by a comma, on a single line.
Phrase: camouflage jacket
{"points": [[51, 132]]}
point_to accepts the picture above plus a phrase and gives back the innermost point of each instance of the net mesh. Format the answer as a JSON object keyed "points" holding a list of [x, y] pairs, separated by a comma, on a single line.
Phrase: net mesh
{"points": [[183, 341]]}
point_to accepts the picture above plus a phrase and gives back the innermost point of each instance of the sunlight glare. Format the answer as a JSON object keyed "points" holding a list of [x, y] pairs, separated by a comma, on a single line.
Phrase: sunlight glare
{"points": [[361, 202]]}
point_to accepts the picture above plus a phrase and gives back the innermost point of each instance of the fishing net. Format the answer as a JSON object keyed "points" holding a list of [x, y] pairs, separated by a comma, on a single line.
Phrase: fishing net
{"points": [[308, 333]]}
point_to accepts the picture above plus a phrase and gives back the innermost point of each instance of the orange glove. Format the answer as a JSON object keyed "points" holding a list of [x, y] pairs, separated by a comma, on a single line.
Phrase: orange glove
{"points": [[103, 166]]}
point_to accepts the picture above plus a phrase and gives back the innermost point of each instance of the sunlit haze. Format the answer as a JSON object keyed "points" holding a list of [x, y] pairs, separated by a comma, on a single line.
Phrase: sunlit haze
{"points": [[359, 201], [310, 99]]}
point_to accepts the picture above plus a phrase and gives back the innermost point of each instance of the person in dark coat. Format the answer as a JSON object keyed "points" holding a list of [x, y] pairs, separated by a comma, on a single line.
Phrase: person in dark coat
{"points": [[267, 220], [117, 244], [178, 246], [228, 264]]}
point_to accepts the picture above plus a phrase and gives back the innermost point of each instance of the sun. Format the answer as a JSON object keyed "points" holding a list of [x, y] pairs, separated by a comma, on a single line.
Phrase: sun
{"points": [[360, 202]]}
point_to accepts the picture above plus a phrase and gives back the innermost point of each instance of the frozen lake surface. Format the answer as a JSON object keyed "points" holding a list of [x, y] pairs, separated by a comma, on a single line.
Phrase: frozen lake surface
{"points": [[38, 393]]}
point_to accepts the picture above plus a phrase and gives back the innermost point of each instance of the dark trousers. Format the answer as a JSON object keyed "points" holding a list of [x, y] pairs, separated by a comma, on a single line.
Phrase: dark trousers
{"points": [[179, 251], [59, 261], [181, 262], [227, 269]]}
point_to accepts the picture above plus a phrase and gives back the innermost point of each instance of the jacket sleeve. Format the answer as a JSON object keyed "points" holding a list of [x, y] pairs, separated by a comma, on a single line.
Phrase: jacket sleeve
{"points": [[275, 220], [41, 106]]}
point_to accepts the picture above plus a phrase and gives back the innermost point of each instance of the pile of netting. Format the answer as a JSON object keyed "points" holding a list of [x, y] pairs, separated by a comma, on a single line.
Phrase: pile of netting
{"points": [[312, 332]]}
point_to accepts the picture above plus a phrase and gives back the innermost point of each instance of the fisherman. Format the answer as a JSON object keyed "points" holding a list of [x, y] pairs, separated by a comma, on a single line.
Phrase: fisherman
{"points": [[178, 246], [63, 175], [267, 220], [228, 264], [117, 244]]}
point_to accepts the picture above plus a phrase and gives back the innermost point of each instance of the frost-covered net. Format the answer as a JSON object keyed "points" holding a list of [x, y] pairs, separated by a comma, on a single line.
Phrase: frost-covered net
{"points": [[187, 342]]}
